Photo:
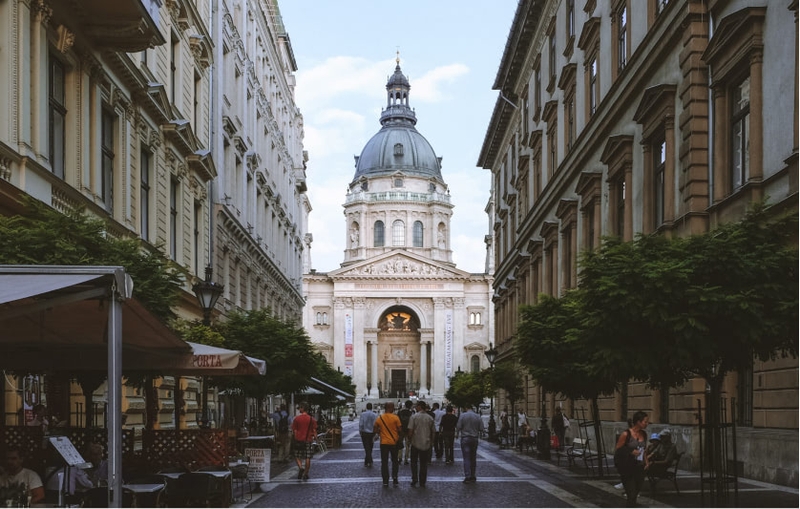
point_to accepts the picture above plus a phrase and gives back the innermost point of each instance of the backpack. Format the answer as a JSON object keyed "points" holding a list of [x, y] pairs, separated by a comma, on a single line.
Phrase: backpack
{"points": [[283, 423], [405, 416]]}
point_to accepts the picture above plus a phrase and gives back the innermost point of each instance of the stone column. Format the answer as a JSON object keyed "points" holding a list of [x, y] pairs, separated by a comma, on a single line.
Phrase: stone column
{"points": [[374, 376], [423, 365]]}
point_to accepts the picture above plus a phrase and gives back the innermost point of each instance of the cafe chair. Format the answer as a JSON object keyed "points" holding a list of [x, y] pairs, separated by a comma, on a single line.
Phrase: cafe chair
{"points": [[98, 497], [240, 477], [155, 499]]}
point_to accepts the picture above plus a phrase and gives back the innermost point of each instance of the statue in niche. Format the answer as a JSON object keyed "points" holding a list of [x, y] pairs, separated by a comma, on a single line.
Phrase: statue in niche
{"points": [[353, 237], [440, 238]]}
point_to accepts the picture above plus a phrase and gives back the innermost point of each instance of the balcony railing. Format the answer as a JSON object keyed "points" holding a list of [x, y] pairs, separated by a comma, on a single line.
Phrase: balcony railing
{"points": [[405, 196]]}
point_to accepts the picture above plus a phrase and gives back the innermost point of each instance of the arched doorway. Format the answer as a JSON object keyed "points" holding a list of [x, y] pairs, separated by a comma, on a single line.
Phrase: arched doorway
{"points": [[398, 352]]}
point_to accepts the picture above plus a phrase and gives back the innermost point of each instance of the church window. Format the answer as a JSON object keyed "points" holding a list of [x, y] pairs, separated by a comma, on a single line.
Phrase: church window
{"points": [[398, 149], [378, 234], [418, 229], [324, 318], [431, 187], [398, 182], [398, 321], [398, 233], [475, 319], [365, 186], [475, 364]]}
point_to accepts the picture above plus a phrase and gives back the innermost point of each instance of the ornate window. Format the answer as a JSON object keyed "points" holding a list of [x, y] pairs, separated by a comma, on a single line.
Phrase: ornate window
{"points": [[656, 114], [398, 149], [58, 113], [735, 55], [107, 123], [144, 194], [620, 26], [378, 234], [740, 133], [590, 44], [418, 233], [551, 56], [398, 182], [618, 155], [173, 218], [570, 29], [398, 233], [475, 318], [475, 364]]}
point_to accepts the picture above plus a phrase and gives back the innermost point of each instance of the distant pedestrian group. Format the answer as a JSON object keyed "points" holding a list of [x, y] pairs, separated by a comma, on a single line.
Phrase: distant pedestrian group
{"points": [[415, 434]]}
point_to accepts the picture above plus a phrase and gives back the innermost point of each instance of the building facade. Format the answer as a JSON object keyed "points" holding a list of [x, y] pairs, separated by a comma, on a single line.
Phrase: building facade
{"points": [[398, 316], [618, 117], [160, 118]]}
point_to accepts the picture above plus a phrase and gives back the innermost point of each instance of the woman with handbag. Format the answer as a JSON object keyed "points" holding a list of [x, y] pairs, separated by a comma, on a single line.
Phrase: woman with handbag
{"points": [[629, 456], [304, 429], [390, 430]]}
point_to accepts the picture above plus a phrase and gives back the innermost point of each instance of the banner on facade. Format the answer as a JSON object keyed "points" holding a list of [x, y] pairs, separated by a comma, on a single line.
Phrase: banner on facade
{"points": [[348, 367], [448, 347], [348, 335]]}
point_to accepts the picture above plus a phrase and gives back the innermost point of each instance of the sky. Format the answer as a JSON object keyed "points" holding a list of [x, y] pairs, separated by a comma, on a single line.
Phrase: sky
{"points": [[345, 51]]}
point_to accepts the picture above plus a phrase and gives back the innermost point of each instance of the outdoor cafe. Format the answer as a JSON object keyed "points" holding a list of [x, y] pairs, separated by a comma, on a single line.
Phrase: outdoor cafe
{"points": [[82, 323]]}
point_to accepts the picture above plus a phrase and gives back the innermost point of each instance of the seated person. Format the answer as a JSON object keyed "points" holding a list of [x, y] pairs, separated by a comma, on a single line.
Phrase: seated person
{"points": [[99, 471], [662, 456], [654, 442], [14, 472]]}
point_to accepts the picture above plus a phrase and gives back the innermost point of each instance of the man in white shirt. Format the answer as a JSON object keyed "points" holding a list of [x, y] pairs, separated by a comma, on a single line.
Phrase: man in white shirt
{"points": [[15, 473], [438, 441]]}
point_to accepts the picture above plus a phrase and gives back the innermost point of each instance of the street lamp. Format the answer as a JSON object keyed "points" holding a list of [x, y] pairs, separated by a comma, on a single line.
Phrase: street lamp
{"points": [[491, 355], [208, 292], [543, 442]]}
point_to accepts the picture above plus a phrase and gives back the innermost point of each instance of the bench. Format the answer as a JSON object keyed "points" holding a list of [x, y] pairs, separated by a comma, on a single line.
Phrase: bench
{"points": [[578, 449], [670, 474]]}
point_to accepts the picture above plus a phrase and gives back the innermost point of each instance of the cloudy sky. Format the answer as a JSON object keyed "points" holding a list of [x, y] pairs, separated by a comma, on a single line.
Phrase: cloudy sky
{"points": [[345, 50]]}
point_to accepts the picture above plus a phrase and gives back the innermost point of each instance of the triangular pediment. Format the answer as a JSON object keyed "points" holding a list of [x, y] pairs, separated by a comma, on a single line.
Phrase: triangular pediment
{"points": [[400, 264]]}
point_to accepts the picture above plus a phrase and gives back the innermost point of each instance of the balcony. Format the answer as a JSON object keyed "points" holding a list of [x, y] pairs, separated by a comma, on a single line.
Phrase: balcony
{"points": [[120, 25], [399, 196]]}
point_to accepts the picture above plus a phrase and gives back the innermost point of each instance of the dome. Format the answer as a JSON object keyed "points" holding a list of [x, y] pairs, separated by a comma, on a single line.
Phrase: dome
{"points": [[398, 146]]}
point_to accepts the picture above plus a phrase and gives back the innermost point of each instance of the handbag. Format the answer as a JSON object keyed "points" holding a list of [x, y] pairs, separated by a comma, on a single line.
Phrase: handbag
{"points": [[624, 461]]}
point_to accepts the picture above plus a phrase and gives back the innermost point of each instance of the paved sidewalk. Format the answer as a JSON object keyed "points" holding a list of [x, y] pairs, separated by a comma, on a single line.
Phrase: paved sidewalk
{"points": [[517, 479]]}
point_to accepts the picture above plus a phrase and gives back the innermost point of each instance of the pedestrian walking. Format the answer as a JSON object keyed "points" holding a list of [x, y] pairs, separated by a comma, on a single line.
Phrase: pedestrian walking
{"points": [[469, 427], [282, 422], [366, 427], [405, 414], [438, 442], [388, 427], [421, 432], [629, 457], [557, 425], [304, 430], [448, 433]]}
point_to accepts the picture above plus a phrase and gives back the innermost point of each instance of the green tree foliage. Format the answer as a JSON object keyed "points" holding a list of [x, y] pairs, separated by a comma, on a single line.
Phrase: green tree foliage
{"points": [[286, 348], [552, 344], [42, 236], [505, 376], [468, 389]]}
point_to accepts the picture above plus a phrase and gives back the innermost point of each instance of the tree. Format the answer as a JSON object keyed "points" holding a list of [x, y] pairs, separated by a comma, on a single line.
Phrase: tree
{"points": [[43, 236], [284, 346], [467, 389], [552, 343]]}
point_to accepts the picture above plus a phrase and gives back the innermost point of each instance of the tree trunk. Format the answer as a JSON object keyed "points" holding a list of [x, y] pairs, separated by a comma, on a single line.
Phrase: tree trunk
{"points": [[714, 443]]}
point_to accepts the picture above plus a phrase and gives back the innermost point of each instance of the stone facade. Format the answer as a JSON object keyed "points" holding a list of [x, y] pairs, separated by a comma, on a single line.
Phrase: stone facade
{"points": [[619, 117], [398, 316]]}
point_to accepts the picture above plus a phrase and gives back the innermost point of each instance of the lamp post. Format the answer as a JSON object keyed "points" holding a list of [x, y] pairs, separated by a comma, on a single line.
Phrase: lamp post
{"points": [[491, 355], [208, 292], [543, 442]]}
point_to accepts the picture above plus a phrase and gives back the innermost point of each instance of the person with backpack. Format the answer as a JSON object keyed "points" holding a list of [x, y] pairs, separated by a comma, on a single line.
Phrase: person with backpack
{"points": [[405, 416], [283, 437]]}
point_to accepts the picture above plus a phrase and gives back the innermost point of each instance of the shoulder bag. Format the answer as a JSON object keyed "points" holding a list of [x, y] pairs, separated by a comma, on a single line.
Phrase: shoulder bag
{"points": [[399, 442]]}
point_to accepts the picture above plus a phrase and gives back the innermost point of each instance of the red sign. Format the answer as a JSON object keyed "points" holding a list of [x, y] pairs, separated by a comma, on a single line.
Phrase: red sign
{"points": [[348, 350]]}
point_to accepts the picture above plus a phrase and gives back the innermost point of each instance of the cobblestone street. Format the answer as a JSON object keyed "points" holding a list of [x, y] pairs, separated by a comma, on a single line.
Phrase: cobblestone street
{"points": [[506, 478]]}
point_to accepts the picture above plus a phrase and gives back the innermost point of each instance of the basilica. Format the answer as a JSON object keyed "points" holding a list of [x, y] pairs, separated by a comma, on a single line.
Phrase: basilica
{"points": [[397, 315]]}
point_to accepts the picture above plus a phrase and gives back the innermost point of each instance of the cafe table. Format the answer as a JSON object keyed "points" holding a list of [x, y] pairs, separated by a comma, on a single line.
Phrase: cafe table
{"points": [[141, 488]]}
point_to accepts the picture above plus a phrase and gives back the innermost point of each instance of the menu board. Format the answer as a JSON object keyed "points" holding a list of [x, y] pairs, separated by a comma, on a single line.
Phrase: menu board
{"points": [[258, 470], [67, 451]]}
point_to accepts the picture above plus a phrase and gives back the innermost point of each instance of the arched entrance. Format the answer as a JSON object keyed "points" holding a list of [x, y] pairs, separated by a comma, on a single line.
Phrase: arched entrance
{"points": [[398, 352]]}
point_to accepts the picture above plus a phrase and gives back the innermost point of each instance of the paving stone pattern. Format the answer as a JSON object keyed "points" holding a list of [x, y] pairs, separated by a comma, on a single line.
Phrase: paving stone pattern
{"points": [[506, 478]]}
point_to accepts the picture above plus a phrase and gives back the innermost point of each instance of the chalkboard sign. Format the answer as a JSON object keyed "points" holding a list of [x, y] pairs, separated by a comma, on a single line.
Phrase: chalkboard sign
{"points": [[68, 452], [258, 470]]}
